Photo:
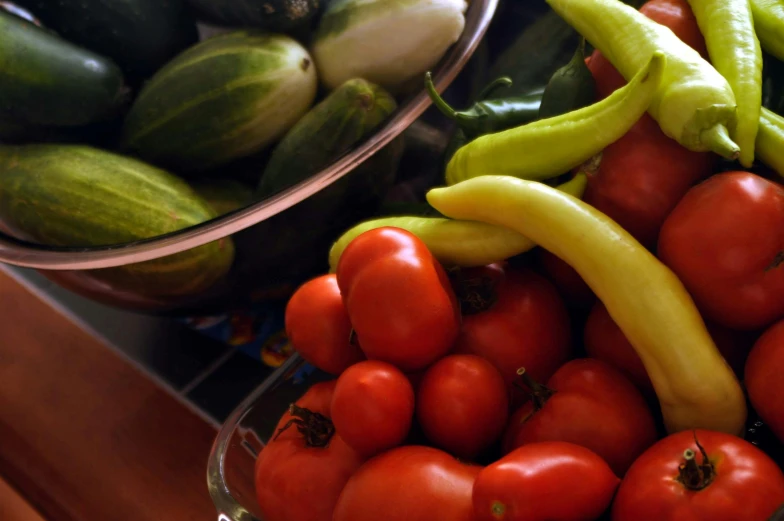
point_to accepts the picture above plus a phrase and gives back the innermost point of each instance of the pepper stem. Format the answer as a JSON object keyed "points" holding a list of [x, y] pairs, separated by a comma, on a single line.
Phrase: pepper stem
{"points": [[438, 101], [718, 140], [539, 393], [696, 476], [499, 83]]}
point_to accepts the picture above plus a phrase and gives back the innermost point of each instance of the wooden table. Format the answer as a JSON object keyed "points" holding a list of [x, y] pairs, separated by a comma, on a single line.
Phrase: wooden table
{"points": [[84, 436]]}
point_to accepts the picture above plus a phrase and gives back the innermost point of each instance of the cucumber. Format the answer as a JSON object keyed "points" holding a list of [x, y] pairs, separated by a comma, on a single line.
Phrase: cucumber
{"points": [[271, 15], [228, 97], [224, 195], [139, 35], [387, 42], [78, 196], [294, 245], [47, 81]]}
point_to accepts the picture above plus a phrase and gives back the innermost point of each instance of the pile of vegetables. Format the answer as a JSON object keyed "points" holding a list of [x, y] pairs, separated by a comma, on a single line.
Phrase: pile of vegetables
{"points": [[592, 325], [118, 122]]}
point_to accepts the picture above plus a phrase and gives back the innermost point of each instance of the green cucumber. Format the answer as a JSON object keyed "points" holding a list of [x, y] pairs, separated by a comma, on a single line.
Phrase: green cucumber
{"points": [[294, 244], [47, 81], [224, 195], [271, 15], [139, 35], [228, 97], [388, 42], [78, 196]]}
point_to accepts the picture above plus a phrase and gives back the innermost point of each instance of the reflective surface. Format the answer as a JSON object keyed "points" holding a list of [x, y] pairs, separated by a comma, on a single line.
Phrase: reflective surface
{"points": [[20, 253]]}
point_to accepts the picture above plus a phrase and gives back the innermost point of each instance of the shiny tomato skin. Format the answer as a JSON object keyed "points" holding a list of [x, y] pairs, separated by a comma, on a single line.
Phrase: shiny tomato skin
{"points": [[605, 341], [318, 326], [410, 483], [298, 482], [725, 241], [593, 406], [462, 405], [548, 481], [763, 378], [373, 407], [527, 326], [398, 298], [748, 485]]}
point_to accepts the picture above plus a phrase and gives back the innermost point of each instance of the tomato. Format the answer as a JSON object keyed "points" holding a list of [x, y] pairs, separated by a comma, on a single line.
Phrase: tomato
{"points": [[521, 321], [587, 403], [462, 404], [318, 327], [738, 481], [295, 480], [763, 378], [725, 240], [548, 481], [398, 298], [571, 285], [373, 407], [605, 341], [410, 483]]}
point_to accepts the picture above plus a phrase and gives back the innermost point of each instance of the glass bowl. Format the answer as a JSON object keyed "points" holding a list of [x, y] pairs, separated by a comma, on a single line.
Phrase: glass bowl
{"points": [[230, 469], [249, 279]]}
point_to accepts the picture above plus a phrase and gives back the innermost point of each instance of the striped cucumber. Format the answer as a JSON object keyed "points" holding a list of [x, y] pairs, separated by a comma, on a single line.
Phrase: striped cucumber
{"points": [[228, 97], [78, 196]]}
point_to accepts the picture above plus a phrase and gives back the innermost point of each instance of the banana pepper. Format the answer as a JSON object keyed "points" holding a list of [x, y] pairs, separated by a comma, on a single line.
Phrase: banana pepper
{"points": [[454, 242], [769, 25], [735, 51], [770, 141], [695, 385], [694, 104], [549, 147]]}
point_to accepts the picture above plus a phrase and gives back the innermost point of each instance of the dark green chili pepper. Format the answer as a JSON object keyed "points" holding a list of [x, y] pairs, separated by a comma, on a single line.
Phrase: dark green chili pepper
{"points": [[572, 87], [487, 116]]}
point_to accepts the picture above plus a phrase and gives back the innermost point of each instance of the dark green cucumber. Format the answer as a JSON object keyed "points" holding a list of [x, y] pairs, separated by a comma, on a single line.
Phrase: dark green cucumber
{"points": [[228, 97], [139, 35], [224, 195], [333, 126], [77, 196], [271, 15], [294, 244], [47, 81]]}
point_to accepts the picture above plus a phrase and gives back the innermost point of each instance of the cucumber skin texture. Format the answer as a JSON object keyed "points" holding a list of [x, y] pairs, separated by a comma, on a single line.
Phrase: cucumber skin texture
{"points": [[270, 15], [78, 196], [327, 131], [47, 81], [225, 98], [294, 244], [139, 35]]}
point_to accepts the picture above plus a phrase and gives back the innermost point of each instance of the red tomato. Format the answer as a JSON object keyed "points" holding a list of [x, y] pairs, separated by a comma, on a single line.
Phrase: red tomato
{"points": [[295, 480], [588, 403], [522, 323], [605, 341], [725, 240], [462, 404], [548, 481], [318, 327], [571, 285], [398, 298], [373, 407], [409, 483], [763, 378], [738, 482]]}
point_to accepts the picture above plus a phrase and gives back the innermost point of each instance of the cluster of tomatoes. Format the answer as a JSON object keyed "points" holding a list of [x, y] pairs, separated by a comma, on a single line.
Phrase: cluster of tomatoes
{"points": [[461, 395]]}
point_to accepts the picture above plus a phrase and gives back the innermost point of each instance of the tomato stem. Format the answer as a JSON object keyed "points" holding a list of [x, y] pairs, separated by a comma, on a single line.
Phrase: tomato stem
{"points": [[778, 260], [696, 476], [315, 428], [475, 294], [498, 509], [539, 393]]}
